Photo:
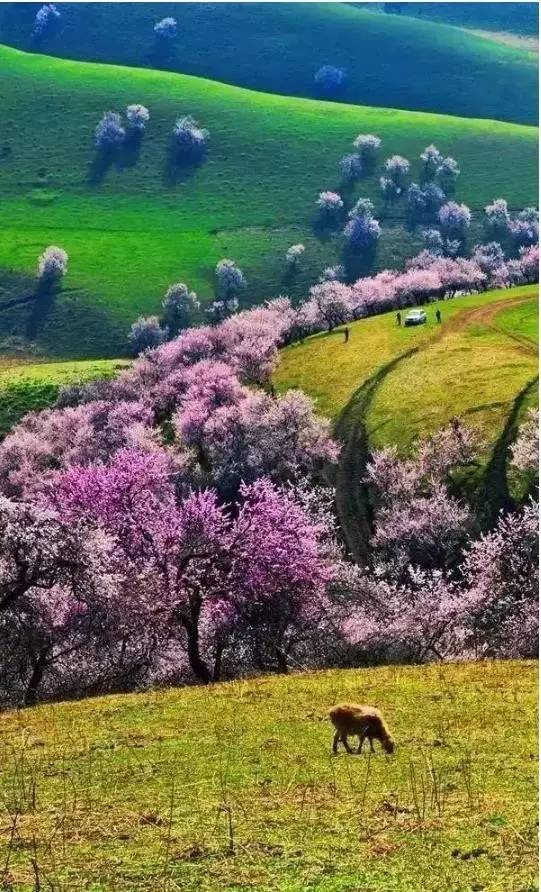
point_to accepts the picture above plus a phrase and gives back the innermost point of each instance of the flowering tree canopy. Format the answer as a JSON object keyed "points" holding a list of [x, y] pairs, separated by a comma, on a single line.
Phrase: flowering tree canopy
{"points": [[46, 17], [330, 79], [110, 133], [454, 219], [330, 204], [179, 307], [351, 168], [190, 139], [367, 145], [294, 254], [137, 117], [52, 264], [145, 333], [166, 28]]}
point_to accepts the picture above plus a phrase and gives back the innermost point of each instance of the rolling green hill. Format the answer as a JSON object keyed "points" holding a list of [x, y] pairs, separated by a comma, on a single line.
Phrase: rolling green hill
{"points": [[265, 47], [393, 385], [135, 227], [27, 387], [517, 18], [233, 786]]}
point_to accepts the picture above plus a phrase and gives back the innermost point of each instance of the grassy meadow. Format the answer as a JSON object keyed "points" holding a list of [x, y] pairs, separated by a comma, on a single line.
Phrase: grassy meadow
{"points": [[29, 386], [234, 786], [390, 60], [480, 341], [133, 227]]}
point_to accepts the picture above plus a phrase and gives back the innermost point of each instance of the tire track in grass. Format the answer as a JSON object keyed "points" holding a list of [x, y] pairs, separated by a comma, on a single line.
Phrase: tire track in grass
{"points": [[494, 495], [352, 502]]}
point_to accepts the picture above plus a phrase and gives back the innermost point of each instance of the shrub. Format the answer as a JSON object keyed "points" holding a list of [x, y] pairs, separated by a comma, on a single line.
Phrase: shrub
{"points": [[52, 264], [145, 334], [137, 117], [110, 133]]}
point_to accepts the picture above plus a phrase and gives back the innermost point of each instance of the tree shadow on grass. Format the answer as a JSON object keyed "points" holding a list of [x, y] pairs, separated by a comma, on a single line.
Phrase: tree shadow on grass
{"points": [[161, 54], [121, 157], [45, 297], [100, 164], [179, 165]]}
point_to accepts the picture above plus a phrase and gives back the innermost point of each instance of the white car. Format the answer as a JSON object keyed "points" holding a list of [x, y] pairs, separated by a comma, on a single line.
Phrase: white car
{"points": [[415, 317]]}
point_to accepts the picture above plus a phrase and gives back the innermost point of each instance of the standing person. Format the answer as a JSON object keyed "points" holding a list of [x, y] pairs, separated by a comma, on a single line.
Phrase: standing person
{"points": [[399, 318], [438, 317], [346, 334]]}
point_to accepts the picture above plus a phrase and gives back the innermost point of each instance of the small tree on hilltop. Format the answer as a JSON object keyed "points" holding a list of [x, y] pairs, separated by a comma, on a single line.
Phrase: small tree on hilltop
{"points": [[52, 265], [110, 133], [179, 308], [145, 334], [330, 80], [137, 117], [166, 28]]}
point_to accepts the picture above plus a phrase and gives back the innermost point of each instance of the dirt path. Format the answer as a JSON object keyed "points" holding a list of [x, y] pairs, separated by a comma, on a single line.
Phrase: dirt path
{"points": [[352, 502]]}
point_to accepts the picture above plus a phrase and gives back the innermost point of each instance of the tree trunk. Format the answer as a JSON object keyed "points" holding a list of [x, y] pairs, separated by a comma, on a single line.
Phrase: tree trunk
{"points": [[32, 688], [197, 663], [218, 661]]}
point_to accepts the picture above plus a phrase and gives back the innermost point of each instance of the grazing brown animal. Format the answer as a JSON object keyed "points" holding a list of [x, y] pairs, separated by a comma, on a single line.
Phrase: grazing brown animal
{"points": [[362, 721]]}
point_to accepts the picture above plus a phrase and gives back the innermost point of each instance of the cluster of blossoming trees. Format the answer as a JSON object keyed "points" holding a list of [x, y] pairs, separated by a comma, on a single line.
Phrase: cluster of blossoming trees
{"points": [[189, 140], [171, 524]]}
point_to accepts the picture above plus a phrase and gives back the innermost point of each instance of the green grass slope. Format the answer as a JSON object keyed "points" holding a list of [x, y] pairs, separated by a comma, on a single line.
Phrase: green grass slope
{"points": [[277, 47], [392, 385], [446, 356], [27, 387], [135, 227], [233, 787]]}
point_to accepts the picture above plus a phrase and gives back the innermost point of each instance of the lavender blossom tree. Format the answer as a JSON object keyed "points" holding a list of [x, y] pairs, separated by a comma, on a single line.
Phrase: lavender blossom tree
{"points": [[110, 133]]}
